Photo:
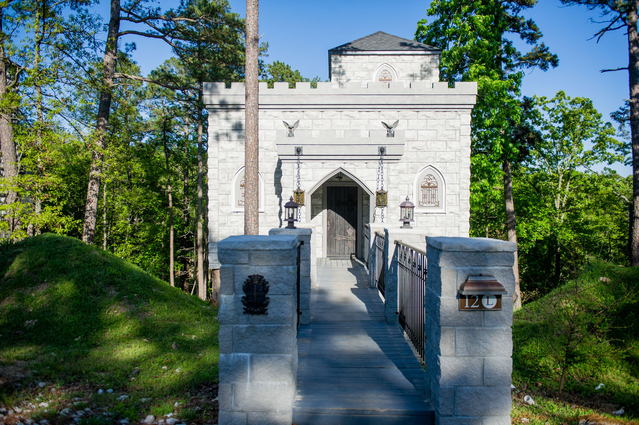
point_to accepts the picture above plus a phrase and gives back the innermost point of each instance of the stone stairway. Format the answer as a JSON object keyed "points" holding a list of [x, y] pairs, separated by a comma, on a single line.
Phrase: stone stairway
{"points": [[354, 368]]}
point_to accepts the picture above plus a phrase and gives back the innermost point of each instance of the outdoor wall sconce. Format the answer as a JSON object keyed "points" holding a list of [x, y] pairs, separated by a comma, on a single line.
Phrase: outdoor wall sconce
{"points": [[406, 210], [381, 198], [481, 293], [290, 211]]}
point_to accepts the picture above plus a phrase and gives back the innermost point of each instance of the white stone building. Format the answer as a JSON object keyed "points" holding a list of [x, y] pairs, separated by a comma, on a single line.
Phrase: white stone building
{"points": [[378, 78]]}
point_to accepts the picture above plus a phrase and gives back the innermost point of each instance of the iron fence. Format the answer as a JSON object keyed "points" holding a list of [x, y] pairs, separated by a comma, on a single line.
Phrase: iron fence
{"points": [[380, 262], [299, 261], [367, 245], [411, 290]]}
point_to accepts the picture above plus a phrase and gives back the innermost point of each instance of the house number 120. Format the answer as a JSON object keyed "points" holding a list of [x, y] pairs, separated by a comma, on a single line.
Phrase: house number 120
{"points": [[479, 302]]}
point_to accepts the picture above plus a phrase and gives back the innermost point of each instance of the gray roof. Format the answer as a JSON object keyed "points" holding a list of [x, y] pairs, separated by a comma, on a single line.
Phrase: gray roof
{"points": [[380, 41]]}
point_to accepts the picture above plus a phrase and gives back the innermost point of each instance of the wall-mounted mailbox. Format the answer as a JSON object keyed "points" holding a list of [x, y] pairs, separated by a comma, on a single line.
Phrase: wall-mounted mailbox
{"points": [[481, 293]]}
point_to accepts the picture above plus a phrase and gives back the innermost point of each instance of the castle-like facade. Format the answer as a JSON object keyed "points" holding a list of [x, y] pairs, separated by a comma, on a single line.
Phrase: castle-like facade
{"points": [[384, 121]]}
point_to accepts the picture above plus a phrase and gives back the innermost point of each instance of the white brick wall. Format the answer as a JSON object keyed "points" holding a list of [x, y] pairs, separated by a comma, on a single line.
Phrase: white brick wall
{"points": [[361, 68], [436, 122]]}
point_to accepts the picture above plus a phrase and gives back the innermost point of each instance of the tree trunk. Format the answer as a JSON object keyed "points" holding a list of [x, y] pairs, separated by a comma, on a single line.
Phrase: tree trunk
{"points": [[170, 196], [37, 56], [633, 77], [104, 217], [251, 159], [104, 108], [201, 283], [7, 144], [186, 212], [511, 223]]}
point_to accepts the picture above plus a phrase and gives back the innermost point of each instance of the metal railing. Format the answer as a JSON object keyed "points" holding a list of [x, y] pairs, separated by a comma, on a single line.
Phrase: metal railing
{"points": [[411, 290], [299, 262], [380, 262], [367, 245]]}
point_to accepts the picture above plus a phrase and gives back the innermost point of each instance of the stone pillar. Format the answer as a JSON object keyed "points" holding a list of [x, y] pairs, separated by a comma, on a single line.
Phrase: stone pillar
{"points": [[303, 235], [258, 353], [468, 353]]}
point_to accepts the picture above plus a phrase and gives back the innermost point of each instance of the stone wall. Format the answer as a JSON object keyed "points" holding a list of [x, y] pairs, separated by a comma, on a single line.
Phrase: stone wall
{"points": [[347, 68], [258, 353], [468, 353], [434, 129]]}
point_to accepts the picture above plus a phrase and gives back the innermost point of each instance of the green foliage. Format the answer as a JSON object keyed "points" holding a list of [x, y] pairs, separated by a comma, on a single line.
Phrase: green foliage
{"points": [[584, 333], [567, 212], [476, 42], [281, 72], [77, 313]]}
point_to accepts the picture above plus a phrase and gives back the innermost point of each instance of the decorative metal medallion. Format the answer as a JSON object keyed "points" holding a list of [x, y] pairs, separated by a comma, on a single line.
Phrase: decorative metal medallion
{"points": [[255, 302], [291, 128], [390, 129]]}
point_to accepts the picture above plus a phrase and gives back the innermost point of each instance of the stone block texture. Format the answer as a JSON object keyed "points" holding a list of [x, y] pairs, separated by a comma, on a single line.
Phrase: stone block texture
{"points": [[340, 131], [258, 353], [468, 353], [303, 236]]}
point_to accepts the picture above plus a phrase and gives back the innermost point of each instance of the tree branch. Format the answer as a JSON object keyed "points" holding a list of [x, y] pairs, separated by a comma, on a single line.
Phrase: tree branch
{"points": [[153, 81], [625, 68]]}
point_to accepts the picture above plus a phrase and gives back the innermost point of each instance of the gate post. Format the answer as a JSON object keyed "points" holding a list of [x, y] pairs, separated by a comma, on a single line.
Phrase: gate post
{"points": [[468, 353], [258, 352]]}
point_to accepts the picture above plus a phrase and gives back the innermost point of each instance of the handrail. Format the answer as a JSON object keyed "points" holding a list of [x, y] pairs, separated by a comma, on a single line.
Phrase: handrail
{"points": [[412, 269], [299, 262], [413, 247]]}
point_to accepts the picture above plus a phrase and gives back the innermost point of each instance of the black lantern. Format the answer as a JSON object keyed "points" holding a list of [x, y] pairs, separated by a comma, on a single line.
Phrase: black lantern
{"points": [[406, 210], [298, 195], [380, 199], [290, 211]]}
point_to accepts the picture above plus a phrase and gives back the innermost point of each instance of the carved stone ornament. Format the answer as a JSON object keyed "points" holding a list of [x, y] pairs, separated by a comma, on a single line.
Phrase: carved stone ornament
{"points": [[390, 129], [291, 128], [255, 302]]}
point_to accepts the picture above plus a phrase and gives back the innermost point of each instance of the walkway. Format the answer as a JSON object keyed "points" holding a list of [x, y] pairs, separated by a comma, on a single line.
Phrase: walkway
{"points": [[354, 368]]}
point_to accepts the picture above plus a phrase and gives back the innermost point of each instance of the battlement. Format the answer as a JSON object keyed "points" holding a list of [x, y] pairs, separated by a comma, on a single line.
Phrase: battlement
{"points": [[350, 96], [415, 87]]}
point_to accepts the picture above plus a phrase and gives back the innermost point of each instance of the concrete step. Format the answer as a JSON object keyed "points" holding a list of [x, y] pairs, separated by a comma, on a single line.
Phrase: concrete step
{"points": [[362, 418]]}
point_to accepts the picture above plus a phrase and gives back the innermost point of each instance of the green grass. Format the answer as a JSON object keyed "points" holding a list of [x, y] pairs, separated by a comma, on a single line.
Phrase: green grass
{"points": [[608, 351], [71, 313]]}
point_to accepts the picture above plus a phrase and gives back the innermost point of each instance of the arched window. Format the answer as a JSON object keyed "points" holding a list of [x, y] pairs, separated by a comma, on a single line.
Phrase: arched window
{"points": [[385, 74], [238, 190], [429, 191], [385, 77]]}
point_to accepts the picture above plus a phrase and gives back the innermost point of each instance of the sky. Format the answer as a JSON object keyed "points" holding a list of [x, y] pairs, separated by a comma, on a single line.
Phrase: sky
{"points": [[301, 32]]}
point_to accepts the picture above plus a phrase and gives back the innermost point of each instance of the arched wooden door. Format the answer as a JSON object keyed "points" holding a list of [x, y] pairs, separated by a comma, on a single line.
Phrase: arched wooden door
{"points": [[341, 221]]}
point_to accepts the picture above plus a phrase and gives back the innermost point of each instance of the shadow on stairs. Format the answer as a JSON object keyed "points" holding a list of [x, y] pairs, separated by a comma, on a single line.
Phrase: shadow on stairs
{"points": [[354, 368]]}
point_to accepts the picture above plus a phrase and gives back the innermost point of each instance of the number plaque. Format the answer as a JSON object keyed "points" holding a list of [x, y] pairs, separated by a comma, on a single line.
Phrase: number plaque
{"points": [[479, 302]]}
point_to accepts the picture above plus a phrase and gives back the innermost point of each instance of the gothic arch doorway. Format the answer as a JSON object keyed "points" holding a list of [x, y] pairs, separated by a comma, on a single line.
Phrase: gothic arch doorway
{"points": [[343, 202]]}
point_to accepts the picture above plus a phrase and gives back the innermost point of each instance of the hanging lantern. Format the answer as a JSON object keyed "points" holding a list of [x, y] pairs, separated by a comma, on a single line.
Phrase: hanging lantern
{"points": [[406, 210], [298, 195], [381, 199], [290, 211]]}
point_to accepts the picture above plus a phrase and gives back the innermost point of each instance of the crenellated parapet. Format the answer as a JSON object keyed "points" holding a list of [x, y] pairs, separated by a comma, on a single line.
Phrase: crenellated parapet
{"points": [[355, 95]]}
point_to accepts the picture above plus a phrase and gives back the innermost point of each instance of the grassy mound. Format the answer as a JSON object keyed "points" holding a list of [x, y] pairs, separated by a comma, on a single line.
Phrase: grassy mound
{"points": [[583, 334], [73, 313]]}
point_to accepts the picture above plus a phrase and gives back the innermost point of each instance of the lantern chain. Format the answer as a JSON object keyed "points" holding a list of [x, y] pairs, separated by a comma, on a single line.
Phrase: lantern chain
{"points": [[298, 151], [299, 165], [380, 181]]}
